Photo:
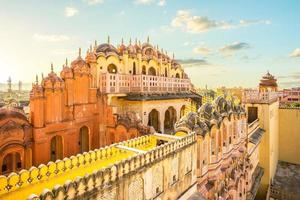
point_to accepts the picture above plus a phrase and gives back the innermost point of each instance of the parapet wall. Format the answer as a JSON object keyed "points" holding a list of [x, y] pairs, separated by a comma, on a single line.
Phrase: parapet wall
{"points": [[119, 173]]}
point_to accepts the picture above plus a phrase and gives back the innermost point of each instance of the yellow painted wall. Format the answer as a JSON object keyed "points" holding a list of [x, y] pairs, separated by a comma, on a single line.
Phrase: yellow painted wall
{"points": [[268, 115], [289, 135]]}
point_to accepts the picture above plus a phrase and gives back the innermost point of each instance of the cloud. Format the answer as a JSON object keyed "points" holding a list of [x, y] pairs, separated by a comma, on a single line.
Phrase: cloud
{"points": [[232, 48], [51, 38], [194, 63], [198, 24], [202, 51], [295, 53], [290, 80], [161, 2], [253, 22], [144, 2], [149, 2], [295, 75], [70, 11], [94, 2]]}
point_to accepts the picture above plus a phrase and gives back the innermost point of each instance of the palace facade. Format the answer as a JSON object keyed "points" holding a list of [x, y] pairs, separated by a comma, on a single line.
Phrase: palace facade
{"points": [[111, 95]]}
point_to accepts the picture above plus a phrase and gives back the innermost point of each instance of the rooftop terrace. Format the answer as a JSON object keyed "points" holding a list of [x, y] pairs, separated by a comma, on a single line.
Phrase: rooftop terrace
{"points": [[124, 156]]}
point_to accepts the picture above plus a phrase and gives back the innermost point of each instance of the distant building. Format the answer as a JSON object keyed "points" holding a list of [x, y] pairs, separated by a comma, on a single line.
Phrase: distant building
{"points": [[290, 95]]}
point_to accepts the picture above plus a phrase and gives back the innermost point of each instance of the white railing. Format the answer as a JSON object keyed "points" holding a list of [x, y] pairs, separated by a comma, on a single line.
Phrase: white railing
{"points": [[255, 96], [121, 83]]}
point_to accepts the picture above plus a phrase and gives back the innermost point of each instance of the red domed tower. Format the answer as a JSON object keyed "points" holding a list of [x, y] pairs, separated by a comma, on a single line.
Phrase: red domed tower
{"points": [[268, 83]]}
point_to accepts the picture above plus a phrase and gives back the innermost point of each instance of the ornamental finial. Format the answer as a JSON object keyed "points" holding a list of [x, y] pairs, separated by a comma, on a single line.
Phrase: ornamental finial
{"points": [[42, 76], [108, 40], [52, 67], [130, 41], [173, 56], [122, 41], [79, 52], [95, 45], [135, 41], [36, 79], [148, 39], [66, 62]]}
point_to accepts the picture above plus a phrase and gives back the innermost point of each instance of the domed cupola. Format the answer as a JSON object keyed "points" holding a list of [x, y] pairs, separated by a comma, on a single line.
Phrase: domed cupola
{"points": [[122, 47], [52, 81], [66, 71], [107, 49], [137, 46], [131, 49], [37, 89], [174, 64], [79, 66], [90, 56]]}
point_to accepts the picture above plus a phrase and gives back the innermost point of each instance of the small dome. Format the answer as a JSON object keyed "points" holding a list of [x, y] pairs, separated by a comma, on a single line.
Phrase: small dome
{"points": [[91, 57], [52, 81], [12, 113], [80, 66], [66, 72], [131, 49], [107, 49], [36, 91]]}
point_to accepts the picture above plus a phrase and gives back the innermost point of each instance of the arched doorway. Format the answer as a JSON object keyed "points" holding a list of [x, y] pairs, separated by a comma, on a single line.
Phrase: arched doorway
{"points": [[182, 111], [144, 70], [134, 69], [112, 69], [153, 119], [83, 139], [170, 119], [166, 73], [11, 163], [152, 71], [56, 148], [177, 75]]}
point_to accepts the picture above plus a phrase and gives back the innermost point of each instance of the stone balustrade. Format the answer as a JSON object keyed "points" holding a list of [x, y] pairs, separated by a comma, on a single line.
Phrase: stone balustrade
{"points": [[85, 172], [124, 83], [255, 96]]}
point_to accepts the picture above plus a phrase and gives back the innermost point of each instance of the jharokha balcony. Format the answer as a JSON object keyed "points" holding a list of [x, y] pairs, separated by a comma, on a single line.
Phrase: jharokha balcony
{"points": [[127, 83]]}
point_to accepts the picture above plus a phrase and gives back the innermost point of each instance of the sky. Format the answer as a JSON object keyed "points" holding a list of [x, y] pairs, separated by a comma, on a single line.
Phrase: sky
{"points": [[219, 42]]}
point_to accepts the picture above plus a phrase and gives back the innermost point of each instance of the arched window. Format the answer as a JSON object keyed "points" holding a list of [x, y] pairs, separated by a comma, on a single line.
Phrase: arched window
{"points": [[153, 119], [134, 69], [144, 70], [177, 75], [83, 139], [56, 148], [166, 73], [152, 71], [170, 119], [182, 111], [11, 163], [112, 69]]}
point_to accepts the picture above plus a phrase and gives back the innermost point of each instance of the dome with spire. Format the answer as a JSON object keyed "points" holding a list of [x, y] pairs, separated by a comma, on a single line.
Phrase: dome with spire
{"points": [[122, 47], [52, 81], [79, 65], [268, 80], [90, 56], [66, 71], [107, 49]]}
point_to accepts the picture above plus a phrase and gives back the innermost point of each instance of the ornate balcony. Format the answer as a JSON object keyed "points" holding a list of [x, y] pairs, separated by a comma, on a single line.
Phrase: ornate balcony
{"points": [[127, 83], [255, 96]]}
